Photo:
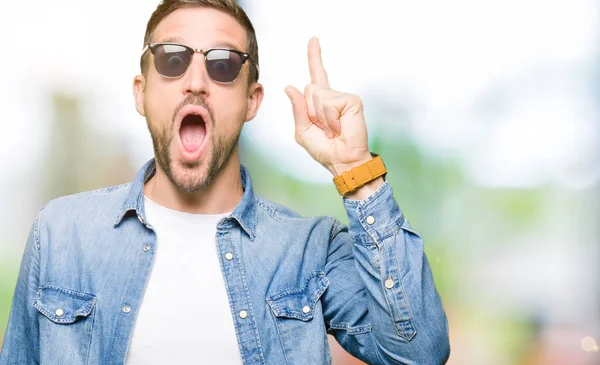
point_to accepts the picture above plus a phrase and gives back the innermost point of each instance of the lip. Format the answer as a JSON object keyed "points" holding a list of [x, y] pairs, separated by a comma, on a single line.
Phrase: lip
{"points": [[198, 110]]}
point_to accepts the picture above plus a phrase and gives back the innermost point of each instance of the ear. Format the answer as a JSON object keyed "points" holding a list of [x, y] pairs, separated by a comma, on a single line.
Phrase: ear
{"points": [[139, 86], [255, 96]]}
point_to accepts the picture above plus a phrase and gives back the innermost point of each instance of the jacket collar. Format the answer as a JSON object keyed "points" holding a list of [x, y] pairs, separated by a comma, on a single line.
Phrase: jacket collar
{"points": [[244, 213]]}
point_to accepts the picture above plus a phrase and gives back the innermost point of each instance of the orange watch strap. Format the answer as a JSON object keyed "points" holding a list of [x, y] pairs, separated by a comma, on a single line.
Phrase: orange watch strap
{"points": [[354, 178]]}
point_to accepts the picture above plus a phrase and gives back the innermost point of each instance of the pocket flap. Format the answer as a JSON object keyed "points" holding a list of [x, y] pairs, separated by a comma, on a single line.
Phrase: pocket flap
{"points": [[299, 303], [63, 305]]}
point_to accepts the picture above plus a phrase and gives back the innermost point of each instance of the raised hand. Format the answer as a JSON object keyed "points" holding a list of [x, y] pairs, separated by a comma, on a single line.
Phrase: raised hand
{"points": [[330, 125]]}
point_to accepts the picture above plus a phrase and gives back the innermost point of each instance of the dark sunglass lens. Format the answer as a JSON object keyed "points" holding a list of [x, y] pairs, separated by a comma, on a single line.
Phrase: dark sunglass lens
{"points": [[223, 65], [171, 60]]}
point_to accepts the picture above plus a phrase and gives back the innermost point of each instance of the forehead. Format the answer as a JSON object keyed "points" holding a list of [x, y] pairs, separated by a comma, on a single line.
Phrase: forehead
{"points": [[200, 27]]}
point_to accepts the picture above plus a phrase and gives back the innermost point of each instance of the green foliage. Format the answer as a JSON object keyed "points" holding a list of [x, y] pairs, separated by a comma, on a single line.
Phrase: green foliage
{"points": [[8, 279]]}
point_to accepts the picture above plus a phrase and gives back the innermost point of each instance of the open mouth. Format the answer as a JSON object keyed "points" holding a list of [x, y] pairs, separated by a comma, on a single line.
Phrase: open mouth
{"points": [[192, 132]]}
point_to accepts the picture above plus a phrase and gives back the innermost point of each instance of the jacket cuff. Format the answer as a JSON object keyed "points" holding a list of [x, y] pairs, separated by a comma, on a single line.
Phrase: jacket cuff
{"points": [[375, 218]]}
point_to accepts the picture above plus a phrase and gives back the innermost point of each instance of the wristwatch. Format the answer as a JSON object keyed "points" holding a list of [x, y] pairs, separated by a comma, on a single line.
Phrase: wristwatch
{"points": [[355, 178]]}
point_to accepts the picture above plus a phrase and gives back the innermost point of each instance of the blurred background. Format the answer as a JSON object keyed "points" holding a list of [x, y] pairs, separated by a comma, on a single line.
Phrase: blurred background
{"points": [[486, 114]]}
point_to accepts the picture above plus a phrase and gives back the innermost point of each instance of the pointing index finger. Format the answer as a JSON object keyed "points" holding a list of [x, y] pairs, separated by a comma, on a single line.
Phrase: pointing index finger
{"points": [[318, 75]]}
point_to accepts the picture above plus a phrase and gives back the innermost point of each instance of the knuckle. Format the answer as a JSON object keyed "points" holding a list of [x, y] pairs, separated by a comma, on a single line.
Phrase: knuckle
{"points": [[356, 100]]}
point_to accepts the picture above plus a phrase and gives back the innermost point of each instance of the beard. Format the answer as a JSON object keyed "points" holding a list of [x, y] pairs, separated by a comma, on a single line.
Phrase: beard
{"points": [[192, 178]]}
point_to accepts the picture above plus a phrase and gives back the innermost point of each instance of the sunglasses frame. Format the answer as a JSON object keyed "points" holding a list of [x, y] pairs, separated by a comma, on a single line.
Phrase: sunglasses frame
{"points": [[152, 47]]}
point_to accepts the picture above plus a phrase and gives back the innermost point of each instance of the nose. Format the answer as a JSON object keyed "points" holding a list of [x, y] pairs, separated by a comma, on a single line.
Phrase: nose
{"points": [[196, 79]]}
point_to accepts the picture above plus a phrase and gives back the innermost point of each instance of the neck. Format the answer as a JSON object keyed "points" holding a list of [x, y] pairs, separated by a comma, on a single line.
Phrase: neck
{"points": [[221, 196]]}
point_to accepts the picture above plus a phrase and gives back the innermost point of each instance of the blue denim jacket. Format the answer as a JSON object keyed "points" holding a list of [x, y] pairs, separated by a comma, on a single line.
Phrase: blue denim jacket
{"points": [[88, 257]]}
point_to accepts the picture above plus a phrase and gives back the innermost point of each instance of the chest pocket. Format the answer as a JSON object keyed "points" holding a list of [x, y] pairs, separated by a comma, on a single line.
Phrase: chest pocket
{"points": [[299, 320], [66, 323]]}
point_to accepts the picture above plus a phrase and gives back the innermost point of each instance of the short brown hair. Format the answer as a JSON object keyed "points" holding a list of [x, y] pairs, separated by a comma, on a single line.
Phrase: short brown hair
{"points": [[230, 7]]}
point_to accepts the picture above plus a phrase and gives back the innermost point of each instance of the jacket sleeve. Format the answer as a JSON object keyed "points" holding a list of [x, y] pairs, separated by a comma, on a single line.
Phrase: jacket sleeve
{"points": [[21, 342], [382, 305]]}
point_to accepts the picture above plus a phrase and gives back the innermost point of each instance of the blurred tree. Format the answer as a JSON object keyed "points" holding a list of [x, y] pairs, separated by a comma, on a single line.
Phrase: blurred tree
{"points": [[81, 157]]}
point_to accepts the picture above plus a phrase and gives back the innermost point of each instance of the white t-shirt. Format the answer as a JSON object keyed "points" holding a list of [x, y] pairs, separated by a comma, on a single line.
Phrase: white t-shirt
{"points": [[184, 317]]}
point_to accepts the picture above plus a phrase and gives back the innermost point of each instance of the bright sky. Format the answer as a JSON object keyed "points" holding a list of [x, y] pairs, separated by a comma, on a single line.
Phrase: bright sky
{"points": [[505, 86]]}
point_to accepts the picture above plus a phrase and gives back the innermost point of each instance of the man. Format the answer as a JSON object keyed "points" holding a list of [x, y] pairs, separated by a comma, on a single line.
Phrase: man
{"points": [[187, 265]]}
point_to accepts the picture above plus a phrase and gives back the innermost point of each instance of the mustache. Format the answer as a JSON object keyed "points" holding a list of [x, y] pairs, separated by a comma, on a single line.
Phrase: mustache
{"points": [[193, 99]]}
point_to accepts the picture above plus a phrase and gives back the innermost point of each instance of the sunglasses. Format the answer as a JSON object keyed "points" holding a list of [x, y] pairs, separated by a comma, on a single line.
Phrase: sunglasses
{"points": [[172, 60]]}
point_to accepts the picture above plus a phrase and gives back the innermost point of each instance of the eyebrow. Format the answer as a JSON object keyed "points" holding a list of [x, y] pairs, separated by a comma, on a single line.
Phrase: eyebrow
{"points": [[218, 44]]}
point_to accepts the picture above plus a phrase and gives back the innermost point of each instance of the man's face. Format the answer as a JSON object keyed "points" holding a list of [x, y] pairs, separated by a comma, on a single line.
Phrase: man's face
{"points": [[194, 121]]}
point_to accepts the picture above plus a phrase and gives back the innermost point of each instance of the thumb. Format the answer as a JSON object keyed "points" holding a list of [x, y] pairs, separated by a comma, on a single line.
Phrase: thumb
{"points": [[299, 108]]}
